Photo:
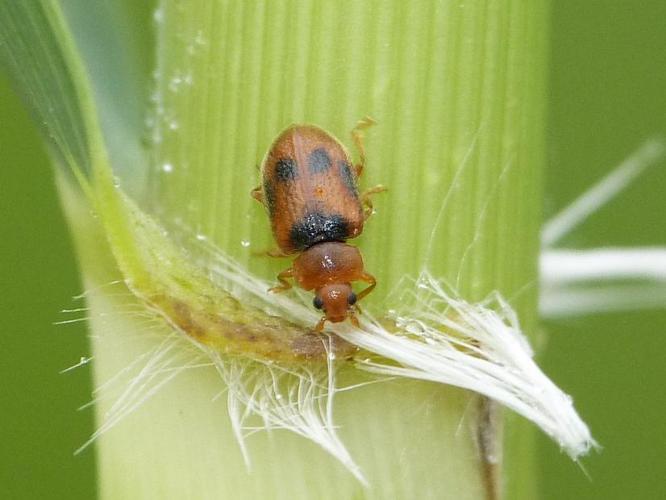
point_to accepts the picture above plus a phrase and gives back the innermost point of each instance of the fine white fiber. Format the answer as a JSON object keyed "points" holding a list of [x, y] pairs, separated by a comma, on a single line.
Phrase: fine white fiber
{"points": [[299, 400], [580, 282], [598, 195], [603, 264], [577, 282], [479, 347]]}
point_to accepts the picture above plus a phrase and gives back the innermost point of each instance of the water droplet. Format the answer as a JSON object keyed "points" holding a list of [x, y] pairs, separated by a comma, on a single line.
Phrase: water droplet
{"points": [[167, 167], [278, 396], [201, 237], [199, 39], [173, 125], [245, 243], [179, 79], [174, 83]]}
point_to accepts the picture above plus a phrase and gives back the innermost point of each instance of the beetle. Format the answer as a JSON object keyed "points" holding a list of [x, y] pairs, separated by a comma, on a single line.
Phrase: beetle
{"points": [[309, 188]]}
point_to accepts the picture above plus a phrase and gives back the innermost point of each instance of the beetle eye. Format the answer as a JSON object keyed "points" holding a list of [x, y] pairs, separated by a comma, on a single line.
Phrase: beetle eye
{"points": [[351, 299], [317, 302]]}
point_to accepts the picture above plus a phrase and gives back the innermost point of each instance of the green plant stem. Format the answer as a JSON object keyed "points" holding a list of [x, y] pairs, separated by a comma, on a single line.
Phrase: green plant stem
{"points": [[457, 92]]}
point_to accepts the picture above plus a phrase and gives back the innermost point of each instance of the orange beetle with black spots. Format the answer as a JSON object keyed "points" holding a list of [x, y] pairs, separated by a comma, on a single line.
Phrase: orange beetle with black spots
{"points": [[309, 189]]}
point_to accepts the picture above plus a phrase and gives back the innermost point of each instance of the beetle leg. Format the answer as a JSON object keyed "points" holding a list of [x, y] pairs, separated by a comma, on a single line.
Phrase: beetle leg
{"points": [[273, 252], [357, 137], [258, 195], [282, 278], [367, 202], [368, 278], [354, 320], [319, 327]]}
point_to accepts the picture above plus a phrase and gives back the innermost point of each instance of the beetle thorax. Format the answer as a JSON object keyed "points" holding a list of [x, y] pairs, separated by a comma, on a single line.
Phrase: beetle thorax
{"points": [[326, 263]]}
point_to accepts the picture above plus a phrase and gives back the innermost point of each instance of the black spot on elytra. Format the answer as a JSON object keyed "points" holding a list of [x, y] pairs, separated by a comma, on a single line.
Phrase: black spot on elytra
{"points": [[286, 169], [319, 161], [347, 177], [316, 227]]}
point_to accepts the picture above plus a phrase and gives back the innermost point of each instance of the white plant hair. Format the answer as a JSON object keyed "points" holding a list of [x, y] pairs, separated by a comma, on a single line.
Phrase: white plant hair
{"points": [[586, 281], [479, 347], [565, 221], [298, 400]]}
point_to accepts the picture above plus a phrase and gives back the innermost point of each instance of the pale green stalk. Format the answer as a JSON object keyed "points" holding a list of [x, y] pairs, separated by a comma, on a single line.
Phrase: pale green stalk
{"points": [[457, 91]]}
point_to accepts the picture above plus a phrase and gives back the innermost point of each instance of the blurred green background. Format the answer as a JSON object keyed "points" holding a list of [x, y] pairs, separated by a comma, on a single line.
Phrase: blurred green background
{"points": [[607, 95]]}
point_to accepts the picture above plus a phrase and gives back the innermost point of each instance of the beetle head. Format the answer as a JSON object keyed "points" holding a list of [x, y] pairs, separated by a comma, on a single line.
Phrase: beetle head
{"points": [[335, 300]]}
